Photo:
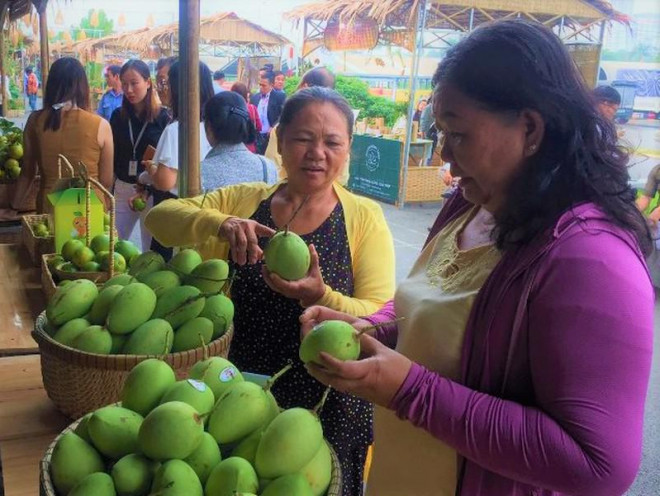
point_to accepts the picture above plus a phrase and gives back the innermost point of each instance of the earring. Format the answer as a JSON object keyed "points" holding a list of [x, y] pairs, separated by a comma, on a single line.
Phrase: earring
{"points": [[531, 149]]}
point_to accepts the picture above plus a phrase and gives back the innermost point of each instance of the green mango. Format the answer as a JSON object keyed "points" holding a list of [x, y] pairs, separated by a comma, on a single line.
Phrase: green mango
{"points": [[126, 249], [114, 431], [71, 330], [205, 457], [96, 484], [94, 339], [120, 280], [146, 384], [196, 393], [185, 261], [241, 410], [289, 443], [146, 263], [133, 474], [220, 310], [176, 478], [101, 306], [72, 460], [335, 337], [132, 307], [287, 255], [318, 471], [81, 428], [288, 485], [231, 476], [210, 276], [71, 301], [161, 280], [218, 373], [247, 448], [193, 334], [179, 305], [154, 337], [171, 430]]}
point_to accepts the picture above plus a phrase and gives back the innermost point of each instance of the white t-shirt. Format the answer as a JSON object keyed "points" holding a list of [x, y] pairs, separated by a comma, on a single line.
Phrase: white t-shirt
{"points": [[167, 151]]}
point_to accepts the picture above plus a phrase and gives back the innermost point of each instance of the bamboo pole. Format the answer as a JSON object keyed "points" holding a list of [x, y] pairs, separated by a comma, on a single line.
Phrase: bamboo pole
{"points": [[3, 91], [43, 42], [189, 180], [419, 45]]}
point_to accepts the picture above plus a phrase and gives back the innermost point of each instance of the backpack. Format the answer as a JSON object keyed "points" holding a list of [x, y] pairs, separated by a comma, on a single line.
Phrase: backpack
{"points": [[32, 84]]}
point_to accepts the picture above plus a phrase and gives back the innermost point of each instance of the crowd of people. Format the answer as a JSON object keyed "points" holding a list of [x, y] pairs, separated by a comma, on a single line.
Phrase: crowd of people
{"points": [[515, 357]]}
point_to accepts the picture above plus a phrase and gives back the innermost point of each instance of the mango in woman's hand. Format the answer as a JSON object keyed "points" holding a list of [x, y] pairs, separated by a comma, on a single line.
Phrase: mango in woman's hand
{"points": [[287, 255], [335, 337]]}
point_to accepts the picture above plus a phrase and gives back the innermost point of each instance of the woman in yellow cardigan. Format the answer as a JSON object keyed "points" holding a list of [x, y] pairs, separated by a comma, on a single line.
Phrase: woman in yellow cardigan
{"points": [[350, 246]]}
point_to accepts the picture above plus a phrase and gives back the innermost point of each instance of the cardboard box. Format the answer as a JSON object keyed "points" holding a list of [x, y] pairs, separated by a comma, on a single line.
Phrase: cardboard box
{"points": [[69, 215]]}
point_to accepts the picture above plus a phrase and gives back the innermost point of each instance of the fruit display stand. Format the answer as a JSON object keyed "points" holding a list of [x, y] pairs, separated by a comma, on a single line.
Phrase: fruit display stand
{"points": [[79, 382], [46, 485], [37, 245], [98, 277]]}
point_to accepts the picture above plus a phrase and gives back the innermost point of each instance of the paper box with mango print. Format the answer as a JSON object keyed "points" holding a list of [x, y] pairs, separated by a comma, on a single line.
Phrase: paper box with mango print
{"points": [[69, 215]]}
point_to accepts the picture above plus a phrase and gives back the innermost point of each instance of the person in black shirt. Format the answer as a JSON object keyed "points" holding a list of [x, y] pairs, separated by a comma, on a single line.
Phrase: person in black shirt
{"points": [[138, 123]]}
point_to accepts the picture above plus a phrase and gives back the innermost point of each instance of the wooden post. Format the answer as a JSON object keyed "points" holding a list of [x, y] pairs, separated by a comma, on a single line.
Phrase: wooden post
{"points": [[189, 180], [419, 46], [43, 42], [3, 91]]}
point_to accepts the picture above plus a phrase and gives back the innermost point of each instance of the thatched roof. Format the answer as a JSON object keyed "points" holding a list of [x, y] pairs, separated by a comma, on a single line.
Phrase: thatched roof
{"points": [[219, 29], [452, 14]]}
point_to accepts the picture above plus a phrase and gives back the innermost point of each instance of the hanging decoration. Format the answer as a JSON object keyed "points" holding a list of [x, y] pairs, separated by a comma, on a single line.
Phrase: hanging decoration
{"points": [[59, 18], [121, 20], [359, 34], [150, 21]]}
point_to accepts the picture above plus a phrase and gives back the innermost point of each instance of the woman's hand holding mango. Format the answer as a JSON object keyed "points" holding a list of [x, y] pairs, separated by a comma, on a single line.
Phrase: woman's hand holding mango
{"points": [[243, 237]]}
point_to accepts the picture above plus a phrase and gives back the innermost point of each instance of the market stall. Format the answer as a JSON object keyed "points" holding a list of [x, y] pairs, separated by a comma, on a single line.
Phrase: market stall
{"points": [[417, 25]]}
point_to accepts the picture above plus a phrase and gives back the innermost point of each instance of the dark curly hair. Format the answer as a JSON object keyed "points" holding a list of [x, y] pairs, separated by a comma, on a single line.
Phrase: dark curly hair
{"points": [[508, 66]]}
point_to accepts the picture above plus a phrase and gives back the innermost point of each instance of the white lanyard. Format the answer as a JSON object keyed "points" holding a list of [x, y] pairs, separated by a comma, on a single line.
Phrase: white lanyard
{"points": [[133, 142]]}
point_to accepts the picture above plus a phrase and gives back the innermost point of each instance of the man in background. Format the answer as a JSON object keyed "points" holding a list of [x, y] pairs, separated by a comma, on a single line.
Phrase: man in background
{"points": [[112, 98], [278, 80], [608, 100], [269, 104], [218, 81], [163, 80], [318, 76], [31, 88]]}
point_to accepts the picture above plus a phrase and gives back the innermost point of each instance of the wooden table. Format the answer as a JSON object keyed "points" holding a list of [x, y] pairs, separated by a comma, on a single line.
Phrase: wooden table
{"points": [[21, 300], [28, 423]]}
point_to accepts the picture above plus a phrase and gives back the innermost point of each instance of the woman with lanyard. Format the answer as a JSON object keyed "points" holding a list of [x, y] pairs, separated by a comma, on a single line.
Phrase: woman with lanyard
{"points": [[137, 124]]}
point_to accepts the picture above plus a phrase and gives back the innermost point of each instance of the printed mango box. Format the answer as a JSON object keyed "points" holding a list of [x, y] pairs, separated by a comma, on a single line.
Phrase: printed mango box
{"points": [[69, 215]]}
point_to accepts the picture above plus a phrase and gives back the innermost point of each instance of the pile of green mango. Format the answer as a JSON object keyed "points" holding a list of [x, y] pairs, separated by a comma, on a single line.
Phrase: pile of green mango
{"points": [[213, 434], [154, 309], [75, 256]]}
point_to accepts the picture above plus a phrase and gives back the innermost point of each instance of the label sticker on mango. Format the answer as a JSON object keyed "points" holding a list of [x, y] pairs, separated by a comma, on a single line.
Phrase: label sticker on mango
{"points": [[227, 374], [198, 385]]}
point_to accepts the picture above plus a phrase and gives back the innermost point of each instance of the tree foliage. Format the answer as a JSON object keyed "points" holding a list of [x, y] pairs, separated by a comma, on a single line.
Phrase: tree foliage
{"points": [[357, 94]]}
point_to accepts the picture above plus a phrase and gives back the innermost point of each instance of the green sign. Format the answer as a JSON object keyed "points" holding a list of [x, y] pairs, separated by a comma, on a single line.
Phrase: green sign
{"points": [[375, 167]]}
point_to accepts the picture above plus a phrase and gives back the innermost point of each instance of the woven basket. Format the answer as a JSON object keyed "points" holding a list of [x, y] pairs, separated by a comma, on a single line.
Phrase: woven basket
{"points": [[47, 281], [37, 246], [424, 184], [46, 487], [79, 382]]}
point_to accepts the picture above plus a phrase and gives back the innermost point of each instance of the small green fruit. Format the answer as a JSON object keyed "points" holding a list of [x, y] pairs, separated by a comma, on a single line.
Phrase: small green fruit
{"points": [[139, 204], [335, 337], [97, 484], [72, 460], [70, 247], [287, 255], [231, 476], [114, 431], [171, 430], [146, 384]]}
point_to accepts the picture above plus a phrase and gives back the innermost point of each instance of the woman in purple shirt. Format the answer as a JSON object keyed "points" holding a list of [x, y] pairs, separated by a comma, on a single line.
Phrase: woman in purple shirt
{"points": [[522, 365]]}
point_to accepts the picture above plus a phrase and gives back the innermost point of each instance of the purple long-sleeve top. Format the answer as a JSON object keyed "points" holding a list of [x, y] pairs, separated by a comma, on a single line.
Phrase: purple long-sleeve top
{"points": [[555, 366]]}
